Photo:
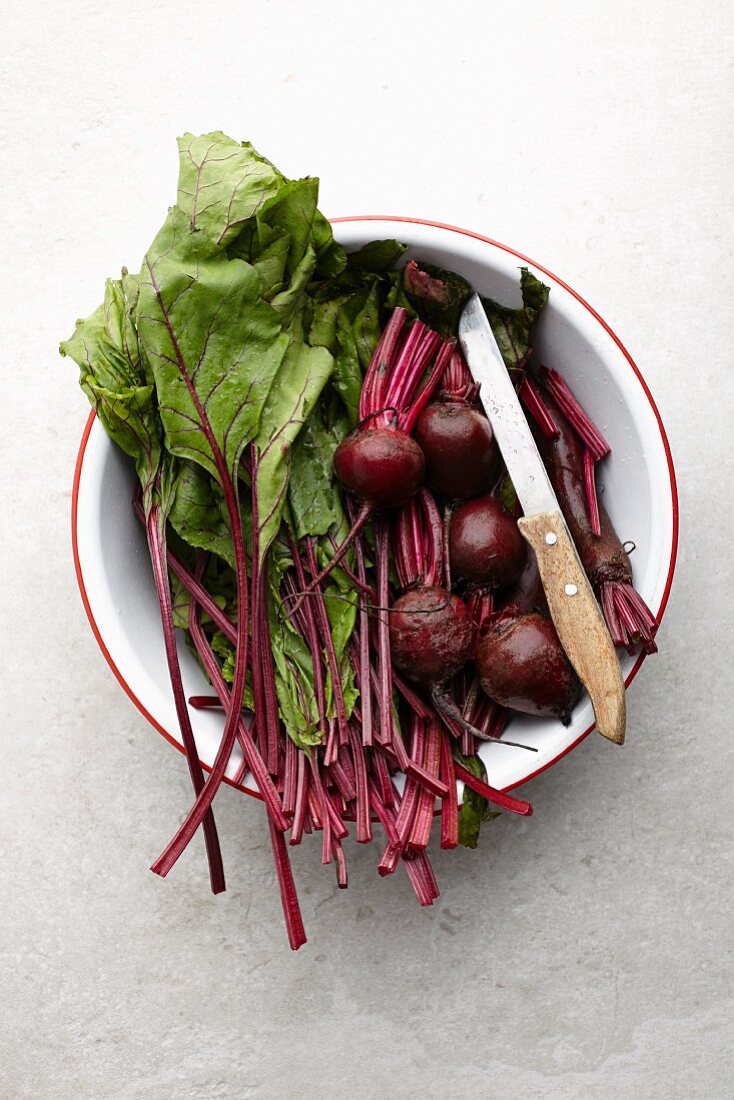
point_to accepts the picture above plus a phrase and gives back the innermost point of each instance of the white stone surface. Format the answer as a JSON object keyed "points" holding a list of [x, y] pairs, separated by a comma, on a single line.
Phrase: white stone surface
{"points": [[586, 952]]}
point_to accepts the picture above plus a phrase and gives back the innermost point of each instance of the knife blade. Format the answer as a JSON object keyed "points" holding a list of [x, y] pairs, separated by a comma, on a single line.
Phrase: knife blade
{"points": [[571, 601]]}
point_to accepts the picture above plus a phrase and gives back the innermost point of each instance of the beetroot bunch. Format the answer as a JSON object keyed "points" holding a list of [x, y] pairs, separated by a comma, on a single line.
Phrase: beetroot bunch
{"points": [[329, 522]]}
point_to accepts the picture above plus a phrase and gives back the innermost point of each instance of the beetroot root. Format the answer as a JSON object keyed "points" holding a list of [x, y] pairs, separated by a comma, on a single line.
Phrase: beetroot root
{"points": [[382, 467], [461, 452], [431, 634], [521, 665], [485, 544]]}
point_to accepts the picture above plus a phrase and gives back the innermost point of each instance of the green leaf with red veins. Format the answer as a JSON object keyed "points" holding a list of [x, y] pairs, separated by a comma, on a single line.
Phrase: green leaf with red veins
{"points": [[113, 375], [376, 256], [222, 183], [315, 501], [298, 385], [199, 514], [514, 327], [213, 344]]}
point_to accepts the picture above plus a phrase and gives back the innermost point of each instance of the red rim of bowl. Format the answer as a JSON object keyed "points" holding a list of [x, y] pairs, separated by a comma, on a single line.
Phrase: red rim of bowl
{"points": [[539, 267]]}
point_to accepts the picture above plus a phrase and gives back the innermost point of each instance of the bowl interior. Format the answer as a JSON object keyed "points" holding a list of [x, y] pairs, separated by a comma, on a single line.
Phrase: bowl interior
{"points": [[636, 481]]}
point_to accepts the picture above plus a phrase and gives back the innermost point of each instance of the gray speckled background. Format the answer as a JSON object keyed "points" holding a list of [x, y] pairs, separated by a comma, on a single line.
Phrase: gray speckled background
{"points": [[586, 952]]}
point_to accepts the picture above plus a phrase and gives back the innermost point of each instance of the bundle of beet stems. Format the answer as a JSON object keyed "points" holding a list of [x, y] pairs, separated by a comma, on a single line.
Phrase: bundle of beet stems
{"points": [[329, 521]]}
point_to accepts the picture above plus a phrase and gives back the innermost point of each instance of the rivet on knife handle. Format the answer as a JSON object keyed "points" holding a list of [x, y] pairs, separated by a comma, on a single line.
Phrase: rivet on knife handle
{"points": [[578, 620]]}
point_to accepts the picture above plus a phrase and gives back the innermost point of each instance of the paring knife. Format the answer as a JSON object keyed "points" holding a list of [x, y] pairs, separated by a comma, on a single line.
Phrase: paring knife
{"points": [[571, 601]]}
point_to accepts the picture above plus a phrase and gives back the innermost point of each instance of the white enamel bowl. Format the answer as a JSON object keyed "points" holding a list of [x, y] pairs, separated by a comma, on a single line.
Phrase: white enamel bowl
{"points": [[637, 480]]}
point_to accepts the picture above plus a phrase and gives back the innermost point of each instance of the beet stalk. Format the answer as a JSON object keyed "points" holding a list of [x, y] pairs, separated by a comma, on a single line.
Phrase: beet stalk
{"points": [[156, 532]]}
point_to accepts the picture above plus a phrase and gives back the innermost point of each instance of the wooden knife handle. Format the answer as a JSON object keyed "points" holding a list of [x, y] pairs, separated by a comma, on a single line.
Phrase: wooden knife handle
{"points": [[578, 619]]}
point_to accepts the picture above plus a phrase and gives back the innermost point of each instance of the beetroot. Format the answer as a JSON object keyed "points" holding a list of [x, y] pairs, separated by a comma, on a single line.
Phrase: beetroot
{"points": [[569, 457], [485, 544], [461, 452], [521, 664], [382, 467], [431, 634]]}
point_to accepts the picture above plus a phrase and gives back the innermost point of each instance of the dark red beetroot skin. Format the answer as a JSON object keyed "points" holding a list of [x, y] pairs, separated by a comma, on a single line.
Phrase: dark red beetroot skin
{"points": [[485, 544], [382, 467], [461, 452], [604, 558], [526, 593], [521, 664], [431, 634]]}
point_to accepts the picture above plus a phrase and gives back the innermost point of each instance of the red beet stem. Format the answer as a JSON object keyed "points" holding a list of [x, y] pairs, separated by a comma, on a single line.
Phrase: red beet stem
{"points": [[362, 809], [629, 619], [498, 798], [574, 413], [410, 365], [364, 666], [481, 605], [342, 878], [411, 697], [450, 803], [302, 791], [423, 820], [384, 663], [267, 720], [603, 555], [457, 383], [412, 767], [422, 879], [194, 587], [406, 809], [382, 778], [533, 402], [592, 503], [448, 510], [343, 783], [288, 895], [156, 532], [362, 517], [330, 821], [376, 376], [322, 623], [290, 777], [307, 623], [251, 754], [405, 552], [382, 813], [433, 539], [205, 702], [428, 876], [409, 419]]}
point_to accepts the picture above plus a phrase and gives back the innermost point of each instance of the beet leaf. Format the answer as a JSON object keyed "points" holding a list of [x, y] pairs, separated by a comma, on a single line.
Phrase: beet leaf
{"points": [[514, 328]]}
